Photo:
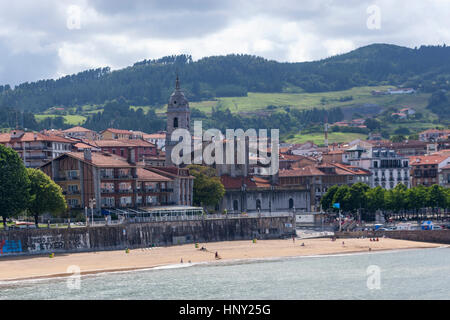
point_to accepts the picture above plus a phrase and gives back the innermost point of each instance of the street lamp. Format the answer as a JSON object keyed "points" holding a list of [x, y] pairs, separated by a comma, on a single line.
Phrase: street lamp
{"points": [[92, 203]]}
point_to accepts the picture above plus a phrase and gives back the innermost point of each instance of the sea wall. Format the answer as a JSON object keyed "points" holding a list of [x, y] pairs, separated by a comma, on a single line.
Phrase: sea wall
{"points": [[140, 235], [434, 236]]}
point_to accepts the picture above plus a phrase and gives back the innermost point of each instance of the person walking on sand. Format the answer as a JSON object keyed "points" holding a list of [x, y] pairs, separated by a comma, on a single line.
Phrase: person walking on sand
{"points": [[217, 256], [181, 261]]}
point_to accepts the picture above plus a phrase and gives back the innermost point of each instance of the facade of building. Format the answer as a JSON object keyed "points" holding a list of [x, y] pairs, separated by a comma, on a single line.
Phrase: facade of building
{"points": [[387, 168], [444, 176], [111, 134], [433, 134], [114, 182], [80, 133], [35, 148], [256, 194], [159, 139], [425, 169], [141, 148], [319, 178]]}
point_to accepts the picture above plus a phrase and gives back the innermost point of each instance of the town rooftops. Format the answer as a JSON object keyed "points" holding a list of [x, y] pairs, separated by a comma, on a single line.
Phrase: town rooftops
{"points": [[112, 143], [100, 159], [430, 159], [30, 137], [251, 182], [77, 129], [119, 131], [154, 136], [147, 175]]}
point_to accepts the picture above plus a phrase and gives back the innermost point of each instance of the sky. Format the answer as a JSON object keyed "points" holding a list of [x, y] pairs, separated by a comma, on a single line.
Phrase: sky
{"points": [[52, 38]]}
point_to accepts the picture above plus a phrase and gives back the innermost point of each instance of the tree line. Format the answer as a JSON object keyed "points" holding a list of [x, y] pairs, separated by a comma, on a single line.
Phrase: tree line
{"points": [[360, 198], [150, 82]]}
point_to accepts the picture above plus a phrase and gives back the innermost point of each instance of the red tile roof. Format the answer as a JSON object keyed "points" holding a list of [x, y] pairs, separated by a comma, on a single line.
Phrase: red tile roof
{"points": [[118, 131], [251, 182], [101, 159], [431, 159], [77, 129], [32, 136], [120, 143], [147, 175]]}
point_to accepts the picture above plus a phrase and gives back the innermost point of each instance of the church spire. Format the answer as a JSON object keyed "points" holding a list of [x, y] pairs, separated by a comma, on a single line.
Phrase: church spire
{"points": [[177, 83]]}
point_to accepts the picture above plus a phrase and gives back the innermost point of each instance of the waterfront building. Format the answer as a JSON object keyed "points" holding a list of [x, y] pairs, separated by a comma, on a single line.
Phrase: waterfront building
{"points": [[426, 169], [116, 182], [386, 166], [35, 148]]}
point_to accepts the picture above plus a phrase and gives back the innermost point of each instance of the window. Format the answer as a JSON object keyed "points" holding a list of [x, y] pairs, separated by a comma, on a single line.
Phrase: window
{"points": [[175, 122], [236, 203], [291, 203], [258, 204]]}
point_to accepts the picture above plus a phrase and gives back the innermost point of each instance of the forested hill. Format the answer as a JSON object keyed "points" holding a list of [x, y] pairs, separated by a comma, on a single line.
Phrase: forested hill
{"points": [[150, 82]]}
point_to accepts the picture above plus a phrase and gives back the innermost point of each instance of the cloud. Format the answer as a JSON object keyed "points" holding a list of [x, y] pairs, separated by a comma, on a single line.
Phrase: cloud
{"points": [[37, 40]]}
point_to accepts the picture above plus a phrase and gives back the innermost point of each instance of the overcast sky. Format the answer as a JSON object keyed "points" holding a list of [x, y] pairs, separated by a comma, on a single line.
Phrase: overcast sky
{"points": [[51, 38]]}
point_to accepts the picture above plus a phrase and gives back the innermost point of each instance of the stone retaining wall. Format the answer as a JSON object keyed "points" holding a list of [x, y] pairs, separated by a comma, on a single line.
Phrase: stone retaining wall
{"points": [[140, 235]]}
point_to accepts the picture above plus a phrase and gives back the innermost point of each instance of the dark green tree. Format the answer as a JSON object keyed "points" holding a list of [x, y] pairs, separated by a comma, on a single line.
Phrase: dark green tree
{"points": [[327, 199], [46, 195], [14, 184], [208, 189]]}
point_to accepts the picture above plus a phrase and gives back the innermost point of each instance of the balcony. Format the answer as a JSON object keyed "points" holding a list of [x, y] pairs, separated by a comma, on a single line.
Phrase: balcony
{"points": [[107, 191], [73, 192], [124, 176], [60, 179], [106, 176], [166, 190], [73, 178], [40, 156], [125, 191]]}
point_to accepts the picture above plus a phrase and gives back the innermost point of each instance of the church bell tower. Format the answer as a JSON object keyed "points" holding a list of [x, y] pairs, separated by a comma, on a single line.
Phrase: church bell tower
{"points": [[178, 116]]}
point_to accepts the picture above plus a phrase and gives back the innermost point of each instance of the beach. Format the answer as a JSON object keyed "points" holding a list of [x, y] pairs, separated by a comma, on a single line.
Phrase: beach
{"points": [[30, 267]]}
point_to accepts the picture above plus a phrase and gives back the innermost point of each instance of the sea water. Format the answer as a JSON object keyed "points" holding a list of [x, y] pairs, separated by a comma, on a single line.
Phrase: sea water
{"points": [[403, 274]]}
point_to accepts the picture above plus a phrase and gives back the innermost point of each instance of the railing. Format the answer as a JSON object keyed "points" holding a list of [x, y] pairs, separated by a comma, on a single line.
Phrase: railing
{"points": [[128, 176], [73, 191], [166, 190], [107, 191], [106, 176]]}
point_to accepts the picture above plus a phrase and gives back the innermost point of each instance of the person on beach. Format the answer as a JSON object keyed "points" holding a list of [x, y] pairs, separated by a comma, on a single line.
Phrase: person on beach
{"points": [[181, 260], [303, 244], [293, 239], [343, 243], [217, 256]]}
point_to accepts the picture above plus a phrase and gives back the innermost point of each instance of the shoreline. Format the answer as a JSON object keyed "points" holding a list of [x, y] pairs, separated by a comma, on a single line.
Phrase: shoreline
{"points": [[93, 263]]}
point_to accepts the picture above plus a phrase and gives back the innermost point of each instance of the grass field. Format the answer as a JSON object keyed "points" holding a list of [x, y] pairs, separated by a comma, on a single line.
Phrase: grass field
{"points": [[318, 138], [69, 119]]}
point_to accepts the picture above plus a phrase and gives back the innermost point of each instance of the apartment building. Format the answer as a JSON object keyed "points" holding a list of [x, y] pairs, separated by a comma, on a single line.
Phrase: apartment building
{"points": [[426, 169], [141, 148], [36, 148], [80, 133], [116, 182], [112, 133], [387, 168]]}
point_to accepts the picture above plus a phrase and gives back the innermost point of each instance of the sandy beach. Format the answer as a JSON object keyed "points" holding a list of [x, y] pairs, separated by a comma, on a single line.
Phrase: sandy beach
{"points": [[15, 268]]}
